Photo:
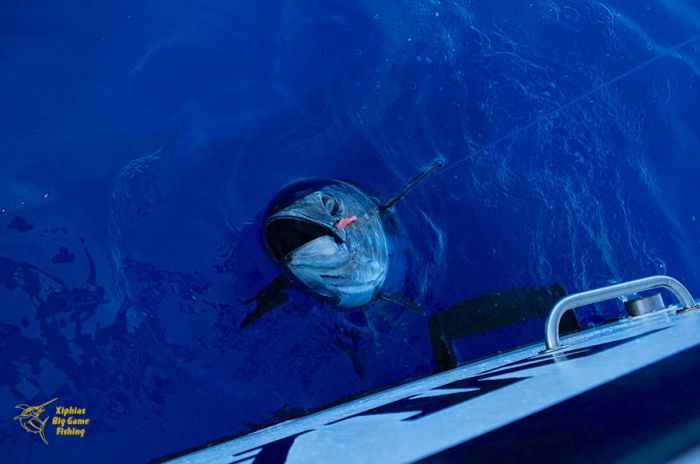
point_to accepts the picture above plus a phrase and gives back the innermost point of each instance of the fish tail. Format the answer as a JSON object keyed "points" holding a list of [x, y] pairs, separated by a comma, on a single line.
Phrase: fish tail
{"points": [[41, 431]]}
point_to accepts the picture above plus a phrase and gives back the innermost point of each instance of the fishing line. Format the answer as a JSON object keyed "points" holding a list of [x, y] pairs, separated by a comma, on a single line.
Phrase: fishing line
{"points": [[570, 103]]}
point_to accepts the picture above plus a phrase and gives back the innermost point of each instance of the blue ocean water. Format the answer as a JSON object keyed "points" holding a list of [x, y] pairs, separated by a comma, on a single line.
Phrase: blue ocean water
{"points": [[141, 142]]}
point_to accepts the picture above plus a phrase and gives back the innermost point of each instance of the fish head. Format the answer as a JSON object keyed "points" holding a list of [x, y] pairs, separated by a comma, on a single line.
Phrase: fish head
{"points": [[336, 262], [304, 220]]}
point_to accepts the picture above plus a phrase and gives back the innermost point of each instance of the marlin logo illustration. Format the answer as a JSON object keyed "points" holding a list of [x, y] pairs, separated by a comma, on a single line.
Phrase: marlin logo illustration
{"points": [[30, 418]]}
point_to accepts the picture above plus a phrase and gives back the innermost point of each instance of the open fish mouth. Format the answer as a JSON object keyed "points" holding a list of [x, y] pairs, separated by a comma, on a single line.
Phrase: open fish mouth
{"points": [[286, 233]]}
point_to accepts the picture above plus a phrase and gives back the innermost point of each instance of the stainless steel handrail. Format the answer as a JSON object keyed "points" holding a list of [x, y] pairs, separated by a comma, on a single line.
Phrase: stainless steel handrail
{"points": [[570, 302]]}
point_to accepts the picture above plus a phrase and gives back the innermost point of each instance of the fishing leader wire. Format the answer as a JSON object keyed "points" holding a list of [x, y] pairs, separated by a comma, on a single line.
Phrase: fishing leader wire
{"points": [[666, 53]]}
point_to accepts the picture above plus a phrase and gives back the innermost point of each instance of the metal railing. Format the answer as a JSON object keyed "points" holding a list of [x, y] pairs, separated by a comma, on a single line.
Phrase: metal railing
{"points": [[608, 293]]}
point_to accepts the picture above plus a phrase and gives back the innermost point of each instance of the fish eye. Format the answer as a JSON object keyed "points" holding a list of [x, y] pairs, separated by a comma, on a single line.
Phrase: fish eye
{"points": [[331, 204]]}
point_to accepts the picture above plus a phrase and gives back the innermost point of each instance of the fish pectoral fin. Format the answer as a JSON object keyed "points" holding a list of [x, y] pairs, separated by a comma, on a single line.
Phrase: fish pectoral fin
{"points": [[263, 308], [435, 164], [279, 284], [268, 298], [402, 300]]}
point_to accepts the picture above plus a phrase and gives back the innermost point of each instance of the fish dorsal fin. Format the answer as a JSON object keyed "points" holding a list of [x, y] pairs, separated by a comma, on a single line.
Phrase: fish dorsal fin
{"points": [[435, 164]]}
